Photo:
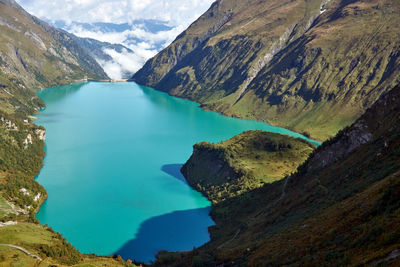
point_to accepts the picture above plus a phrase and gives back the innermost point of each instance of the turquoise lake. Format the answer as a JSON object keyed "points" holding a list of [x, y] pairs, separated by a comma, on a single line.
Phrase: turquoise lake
{"points": [[111, 171]]}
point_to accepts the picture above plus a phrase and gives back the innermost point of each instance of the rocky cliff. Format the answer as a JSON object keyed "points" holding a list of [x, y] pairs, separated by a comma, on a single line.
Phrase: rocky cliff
{"points": [[312, 66]]}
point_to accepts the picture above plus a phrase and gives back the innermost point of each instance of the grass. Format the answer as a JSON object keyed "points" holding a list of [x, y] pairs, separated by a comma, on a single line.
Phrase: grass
{"points": [[5, 208], [33, 237], [10, 257], [244, 162], [268, 157], [26, 234], [4, 204]]}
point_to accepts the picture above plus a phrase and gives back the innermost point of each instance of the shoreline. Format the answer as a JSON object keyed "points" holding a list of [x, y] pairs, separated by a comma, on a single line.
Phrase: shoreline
{"points": [[211, 205], [107, 81], [309, 139], [207, 108], [33, 220]]}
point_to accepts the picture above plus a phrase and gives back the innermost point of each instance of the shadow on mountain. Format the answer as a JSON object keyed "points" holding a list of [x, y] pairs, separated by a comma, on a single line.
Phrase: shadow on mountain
{"points": [[176, 231], [174, 170]]}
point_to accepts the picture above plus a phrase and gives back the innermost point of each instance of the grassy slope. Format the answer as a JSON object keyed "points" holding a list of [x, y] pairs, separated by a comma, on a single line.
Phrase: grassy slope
{"points": [[51, 247], [243, 163], [340, 208], [284, 63]]}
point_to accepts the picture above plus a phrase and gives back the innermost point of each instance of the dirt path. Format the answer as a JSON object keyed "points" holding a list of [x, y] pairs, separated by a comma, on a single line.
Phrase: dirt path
{"points": [[23, 250]]}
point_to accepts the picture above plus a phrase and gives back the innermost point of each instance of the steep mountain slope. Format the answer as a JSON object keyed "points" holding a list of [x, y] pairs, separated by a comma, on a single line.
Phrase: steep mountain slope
{"points": [[340, 208], [34, 55], [243, 163], [312, 66]]}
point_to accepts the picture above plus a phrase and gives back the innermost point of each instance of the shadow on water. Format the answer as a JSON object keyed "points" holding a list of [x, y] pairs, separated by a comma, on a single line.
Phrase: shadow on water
{"points": [[176, 231], [174, 170]]}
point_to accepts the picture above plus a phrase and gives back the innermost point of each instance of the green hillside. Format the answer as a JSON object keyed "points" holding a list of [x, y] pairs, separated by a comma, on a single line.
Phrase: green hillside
{"points": [[341, 207], [312, 66], [244, 162]]}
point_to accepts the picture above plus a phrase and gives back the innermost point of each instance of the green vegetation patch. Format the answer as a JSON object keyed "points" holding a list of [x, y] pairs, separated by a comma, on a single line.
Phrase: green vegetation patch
{"points": [[13, 257], [244, 162]]}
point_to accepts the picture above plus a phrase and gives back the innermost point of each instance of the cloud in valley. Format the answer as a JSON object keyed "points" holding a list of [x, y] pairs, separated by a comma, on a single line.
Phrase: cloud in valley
{"points": [[144, 44]]}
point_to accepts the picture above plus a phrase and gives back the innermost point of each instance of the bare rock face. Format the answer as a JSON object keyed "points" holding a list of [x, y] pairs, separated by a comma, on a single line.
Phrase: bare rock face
{"points": [[9, 124], [41, 134], [359, 134], [372, 124], [28, 140]]}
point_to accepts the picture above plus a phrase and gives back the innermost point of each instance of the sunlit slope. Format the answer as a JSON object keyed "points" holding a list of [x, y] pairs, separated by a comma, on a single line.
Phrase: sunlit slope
{"points": [[312, 66]]}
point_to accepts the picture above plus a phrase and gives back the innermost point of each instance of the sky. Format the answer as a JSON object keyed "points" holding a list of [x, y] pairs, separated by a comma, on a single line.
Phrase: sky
{"points": [[178, 14]]}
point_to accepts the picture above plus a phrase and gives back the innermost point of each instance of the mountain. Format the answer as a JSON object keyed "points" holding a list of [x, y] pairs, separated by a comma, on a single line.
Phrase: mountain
{"points": [[312, 66], [121, 49], [34, 55], [340, 208], [96, 48], [148, 26], [108, 55], [244, 162]]}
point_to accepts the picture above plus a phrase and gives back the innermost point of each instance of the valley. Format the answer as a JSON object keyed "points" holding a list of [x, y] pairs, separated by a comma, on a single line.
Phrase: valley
{"points": [[109, 165]]}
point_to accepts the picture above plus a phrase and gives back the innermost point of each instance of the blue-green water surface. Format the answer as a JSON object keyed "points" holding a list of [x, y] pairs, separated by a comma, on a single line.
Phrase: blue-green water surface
{"points": [[113, 153]]}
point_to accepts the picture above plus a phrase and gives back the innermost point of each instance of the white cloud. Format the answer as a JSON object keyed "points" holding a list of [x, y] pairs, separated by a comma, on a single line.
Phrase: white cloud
{"points": [[176, 12], [144, 45]]}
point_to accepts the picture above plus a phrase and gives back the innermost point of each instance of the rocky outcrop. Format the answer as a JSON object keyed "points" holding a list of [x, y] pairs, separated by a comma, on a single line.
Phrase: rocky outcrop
{"points": [[41, 134], [28, 140], [368, 127], [9, 124]]}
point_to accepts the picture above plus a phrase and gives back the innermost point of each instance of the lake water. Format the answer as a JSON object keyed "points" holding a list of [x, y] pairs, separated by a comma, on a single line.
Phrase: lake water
{"points": [[113, 153]]}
